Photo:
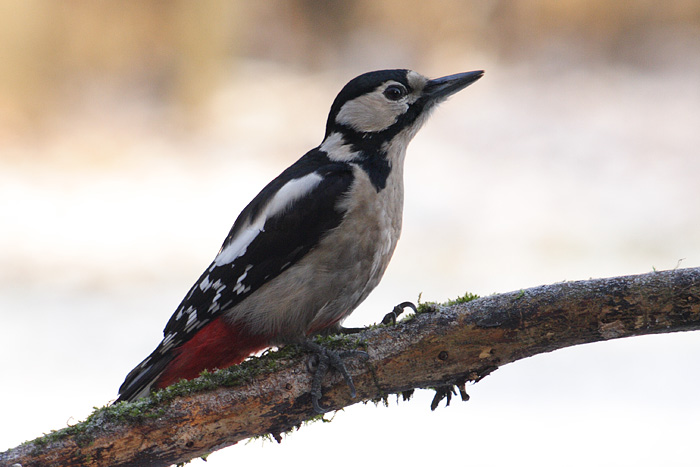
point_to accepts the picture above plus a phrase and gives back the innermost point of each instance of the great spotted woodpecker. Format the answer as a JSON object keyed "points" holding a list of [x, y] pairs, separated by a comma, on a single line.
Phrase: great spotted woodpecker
{"points": [[311, 245]]}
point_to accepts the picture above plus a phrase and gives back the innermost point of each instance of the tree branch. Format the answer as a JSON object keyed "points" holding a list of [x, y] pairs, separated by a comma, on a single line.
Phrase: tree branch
{"points": [[453, 344]]}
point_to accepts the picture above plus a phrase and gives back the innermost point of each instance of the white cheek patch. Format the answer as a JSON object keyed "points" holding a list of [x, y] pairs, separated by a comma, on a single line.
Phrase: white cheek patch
{"points": [[371, 112], [280, 202]]}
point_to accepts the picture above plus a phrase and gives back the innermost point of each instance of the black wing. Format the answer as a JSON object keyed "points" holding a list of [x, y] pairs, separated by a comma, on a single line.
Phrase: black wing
{"points": [[262, 243], [286, 236]]}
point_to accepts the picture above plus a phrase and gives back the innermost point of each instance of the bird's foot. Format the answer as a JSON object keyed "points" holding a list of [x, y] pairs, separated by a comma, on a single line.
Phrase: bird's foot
{"points": [[324, 359], [390, 318]]}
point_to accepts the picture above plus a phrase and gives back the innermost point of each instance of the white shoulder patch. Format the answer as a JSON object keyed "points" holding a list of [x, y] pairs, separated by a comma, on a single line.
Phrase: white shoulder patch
{"points": [[288, 194], [279, 202], [238, 245]]}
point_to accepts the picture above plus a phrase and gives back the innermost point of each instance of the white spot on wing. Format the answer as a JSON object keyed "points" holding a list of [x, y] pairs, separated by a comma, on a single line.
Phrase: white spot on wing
{"points": [[280, 201], [205, 284], [168, 341], [245, 273], [240, 288], [191, 319], [219, 287]]}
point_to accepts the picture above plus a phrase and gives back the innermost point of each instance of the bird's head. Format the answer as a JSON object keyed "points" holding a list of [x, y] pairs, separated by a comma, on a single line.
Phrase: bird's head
{"points": [[380, 104]]}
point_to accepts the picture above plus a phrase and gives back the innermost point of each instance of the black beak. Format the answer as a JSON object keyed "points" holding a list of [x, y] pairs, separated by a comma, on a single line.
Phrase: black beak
{"points": [[441, 88]]}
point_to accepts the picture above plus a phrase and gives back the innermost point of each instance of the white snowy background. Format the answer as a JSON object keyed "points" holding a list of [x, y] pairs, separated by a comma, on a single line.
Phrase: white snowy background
{"points": [[561, 166]]}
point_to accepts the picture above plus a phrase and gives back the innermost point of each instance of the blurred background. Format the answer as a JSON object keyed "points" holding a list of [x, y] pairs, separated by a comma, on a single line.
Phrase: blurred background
{"points": [[132, 133]]}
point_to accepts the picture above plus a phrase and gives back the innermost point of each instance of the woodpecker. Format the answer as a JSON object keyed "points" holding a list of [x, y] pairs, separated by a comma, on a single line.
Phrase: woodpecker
{"points": [[311, 246]]}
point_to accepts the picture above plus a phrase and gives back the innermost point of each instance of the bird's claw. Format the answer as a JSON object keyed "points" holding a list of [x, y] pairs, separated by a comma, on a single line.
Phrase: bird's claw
{"points": [[326, 359], [390, 318]]}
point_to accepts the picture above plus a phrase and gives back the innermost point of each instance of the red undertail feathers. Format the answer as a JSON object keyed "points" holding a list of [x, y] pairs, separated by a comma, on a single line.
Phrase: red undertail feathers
{"points": [[216, 345]]}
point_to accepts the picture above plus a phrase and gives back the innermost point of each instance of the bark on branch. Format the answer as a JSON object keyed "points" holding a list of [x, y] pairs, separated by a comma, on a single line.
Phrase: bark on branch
{"points": [[451, 345]]}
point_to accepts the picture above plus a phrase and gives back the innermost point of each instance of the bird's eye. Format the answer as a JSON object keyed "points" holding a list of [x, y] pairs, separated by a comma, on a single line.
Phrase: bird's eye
{"points": [[395, 92]]}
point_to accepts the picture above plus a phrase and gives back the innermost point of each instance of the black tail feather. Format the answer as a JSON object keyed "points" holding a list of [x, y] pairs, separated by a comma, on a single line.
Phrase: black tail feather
{"points": [[139, 380]]}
